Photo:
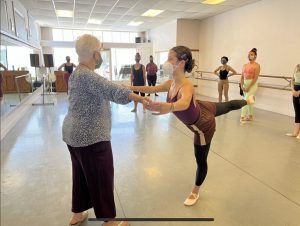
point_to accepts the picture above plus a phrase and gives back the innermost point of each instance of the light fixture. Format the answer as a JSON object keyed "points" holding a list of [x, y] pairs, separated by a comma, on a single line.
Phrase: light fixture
{"points": [[213, 2], [135, 23], [152, 12], [94, 21], [64, 13]]}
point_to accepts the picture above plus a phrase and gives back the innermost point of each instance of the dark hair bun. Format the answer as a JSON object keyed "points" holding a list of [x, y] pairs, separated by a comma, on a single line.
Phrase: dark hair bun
{"points": [[190, 65], [184, 53], [254, 50]]}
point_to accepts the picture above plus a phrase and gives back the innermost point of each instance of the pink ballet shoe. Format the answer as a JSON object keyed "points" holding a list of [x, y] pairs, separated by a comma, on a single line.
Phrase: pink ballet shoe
{"points": [[191, 200], [74, 221]]}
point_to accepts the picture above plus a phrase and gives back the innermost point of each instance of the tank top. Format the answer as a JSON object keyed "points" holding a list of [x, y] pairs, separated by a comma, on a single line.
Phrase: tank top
{"points": [[69, 68], [223, 74], [249, 71], [188, 116], [297, 77], [138, 76]]}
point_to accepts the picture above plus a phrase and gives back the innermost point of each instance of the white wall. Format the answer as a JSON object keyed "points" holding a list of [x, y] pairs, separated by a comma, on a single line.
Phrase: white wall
{"points": [[164, 36], [188, 33], [272, 26]]}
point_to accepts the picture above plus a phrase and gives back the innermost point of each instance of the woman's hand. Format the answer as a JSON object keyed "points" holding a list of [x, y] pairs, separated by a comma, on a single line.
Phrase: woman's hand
{"points": [[246, 90], [160, 108], [296, 93], [147, 102]]}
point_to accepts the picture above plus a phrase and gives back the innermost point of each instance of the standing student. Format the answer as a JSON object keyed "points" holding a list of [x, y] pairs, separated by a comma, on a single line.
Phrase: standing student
{"points": [[295, 85], [249, 83], [223, 73], [138, 77], [151, 70]]}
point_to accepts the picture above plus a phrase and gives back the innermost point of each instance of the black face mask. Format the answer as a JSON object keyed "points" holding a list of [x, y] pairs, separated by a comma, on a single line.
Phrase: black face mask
{"points": [[99, 62]]}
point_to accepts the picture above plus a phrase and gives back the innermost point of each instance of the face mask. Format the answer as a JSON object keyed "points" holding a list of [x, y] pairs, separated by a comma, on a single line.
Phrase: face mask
{"points": [[99, 62], [223, 62], [168, 69]]}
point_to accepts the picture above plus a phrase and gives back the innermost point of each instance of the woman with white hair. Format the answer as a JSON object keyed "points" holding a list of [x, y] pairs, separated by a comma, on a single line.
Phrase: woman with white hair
{"points": [[86, 131]]}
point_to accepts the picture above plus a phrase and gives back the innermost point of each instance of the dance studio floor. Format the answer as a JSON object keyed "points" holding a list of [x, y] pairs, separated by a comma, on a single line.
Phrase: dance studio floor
{"points": [[253, 177]]}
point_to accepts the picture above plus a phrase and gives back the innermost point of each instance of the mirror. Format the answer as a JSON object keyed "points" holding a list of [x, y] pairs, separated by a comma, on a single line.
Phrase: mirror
{"points": [[19, 80]]}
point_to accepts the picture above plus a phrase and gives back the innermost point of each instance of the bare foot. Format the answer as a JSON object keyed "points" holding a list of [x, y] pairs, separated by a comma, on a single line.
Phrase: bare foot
{"points": [[133, 110]]}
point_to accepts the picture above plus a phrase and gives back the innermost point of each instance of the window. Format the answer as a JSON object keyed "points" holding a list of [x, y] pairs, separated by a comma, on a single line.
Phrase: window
{"points": [[57, 35], [77, 33], [107, 37], [125, 37], [116, 37], [68, 35], [103, 36], [132, 37], [98, 34], [59, 55], [122, 59]]}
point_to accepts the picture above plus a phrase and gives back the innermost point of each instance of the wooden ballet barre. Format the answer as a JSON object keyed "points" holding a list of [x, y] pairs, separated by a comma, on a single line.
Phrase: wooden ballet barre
{"points": [[286, 87]]}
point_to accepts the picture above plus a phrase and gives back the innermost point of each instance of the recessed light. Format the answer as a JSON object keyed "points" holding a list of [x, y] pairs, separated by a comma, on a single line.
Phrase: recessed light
{"points": [[64, 13], [94, 21], [213, 2], [152, 12], [135, 23]]}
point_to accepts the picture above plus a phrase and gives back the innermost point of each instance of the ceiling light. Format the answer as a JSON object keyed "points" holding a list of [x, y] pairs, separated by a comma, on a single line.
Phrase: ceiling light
{"points": [[135, 23], [94, 21], [152, 12], [64, 13], [213, 2]]}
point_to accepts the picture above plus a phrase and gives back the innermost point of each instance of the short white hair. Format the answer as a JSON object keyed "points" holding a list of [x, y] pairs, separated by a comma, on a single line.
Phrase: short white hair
{"points": [[85, 46]]}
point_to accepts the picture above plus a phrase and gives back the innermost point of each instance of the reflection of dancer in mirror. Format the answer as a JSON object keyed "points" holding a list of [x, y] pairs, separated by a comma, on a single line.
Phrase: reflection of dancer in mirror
{"points": [[223, 73], [249, 83], [1, 81], [295, 85], [198, 116]]}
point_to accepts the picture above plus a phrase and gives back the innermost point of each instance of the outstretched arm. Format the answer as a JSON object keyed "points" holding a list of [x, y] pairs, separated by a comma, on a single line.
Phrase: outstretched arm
{"points": [[164, 87], [186, 95]]}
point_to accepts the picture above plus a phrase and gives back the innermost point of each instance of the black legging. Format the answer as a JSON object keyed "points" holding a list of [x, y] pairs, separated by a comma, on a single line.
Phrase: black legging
{"points": [[296, 103], [201, 151]]}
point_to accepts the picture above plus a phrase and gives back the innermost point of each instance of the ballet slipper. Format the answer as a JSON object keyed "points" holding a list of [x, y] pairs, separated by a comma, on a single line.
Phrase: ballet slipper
{"points": [[291, 135], [133, 110], [243, 120], [298, 137], [191, 200], [76, 221]]}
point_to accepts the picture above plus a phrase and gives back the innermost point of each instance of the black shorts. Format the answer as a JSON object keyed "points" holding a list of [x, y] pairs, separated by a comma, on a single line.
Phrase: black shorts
{"points": [[137, 93]]}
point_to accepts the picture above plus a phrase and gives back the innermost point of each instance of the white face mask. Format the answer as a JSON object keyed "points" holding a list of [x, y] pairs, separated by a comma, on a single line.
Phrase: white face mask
{"points": [[168, 69]]}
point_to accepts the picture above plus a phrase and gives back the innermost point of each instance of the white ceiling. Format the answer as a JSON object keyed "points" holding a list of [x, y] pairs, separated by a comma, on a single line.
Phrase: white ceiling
{"points": [[116, 14]]}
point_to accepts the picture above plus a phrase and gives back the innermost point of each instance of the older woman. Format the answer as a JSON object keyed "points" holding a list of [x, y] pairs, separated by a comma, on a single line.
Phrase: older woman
{"points": [[86, 131]]}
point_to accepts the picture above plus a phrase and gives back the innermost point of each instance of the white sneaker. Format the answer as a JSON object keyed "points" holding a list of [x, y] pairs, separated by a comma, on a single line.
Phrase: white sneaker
{"points": [[191, 201]]}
